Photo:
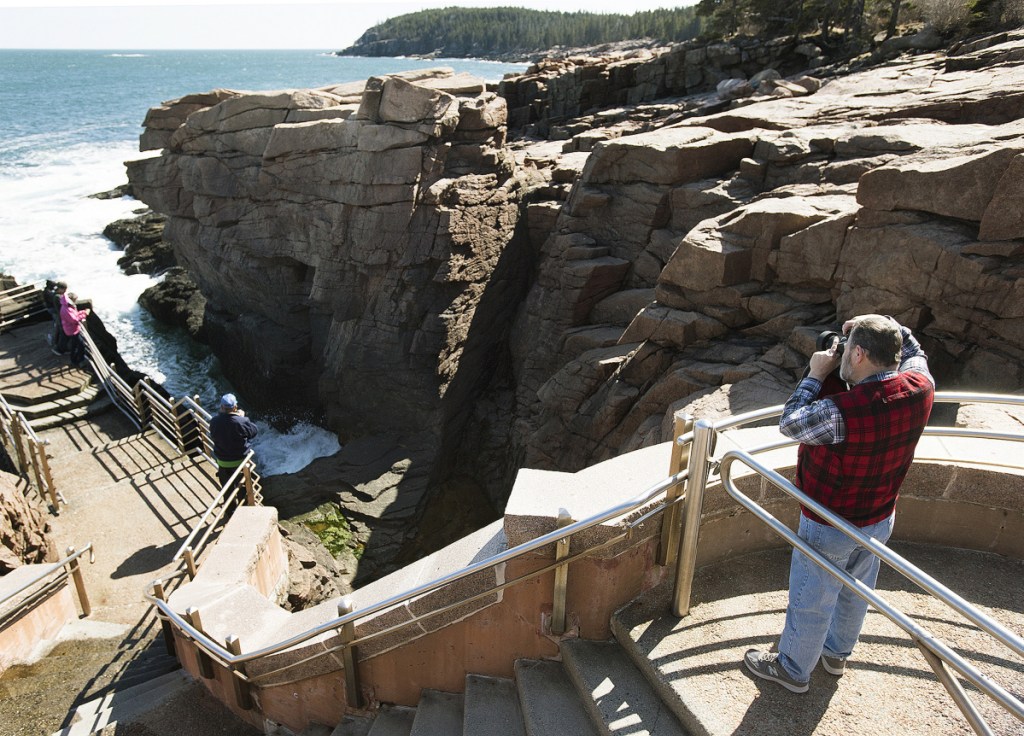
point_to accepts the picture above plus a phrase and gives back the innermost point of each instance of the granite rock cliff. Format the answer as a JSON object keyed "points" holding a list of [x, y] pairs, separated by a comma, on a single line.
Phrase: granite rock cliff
{"points": [[382, 252]]}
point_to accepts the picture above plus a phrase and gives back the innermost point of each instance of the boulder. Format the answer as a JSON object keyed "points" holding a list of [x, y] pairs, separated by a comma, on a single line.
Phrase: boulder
{"points": [[24, 526]]}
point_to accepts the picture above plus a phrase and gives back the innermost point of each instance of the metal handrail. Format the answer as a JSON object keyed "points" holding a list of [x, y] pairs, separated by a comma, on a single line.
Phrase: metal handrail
{"points": [[54, 567], [951, 397], [217, 650], [231, 486], [895, 561], [703, 438]]}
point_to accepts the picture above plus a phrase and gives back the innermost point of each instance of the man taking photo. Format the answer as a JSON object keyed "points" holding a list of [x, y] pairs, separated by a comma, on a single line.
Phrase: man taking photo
{"points": [[856, 446]]}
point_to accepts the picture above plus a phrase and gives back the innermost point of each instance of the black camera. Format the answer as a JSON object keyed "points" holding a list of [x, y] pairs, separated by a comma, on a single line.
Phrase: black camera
{"points": [[830, 338]]}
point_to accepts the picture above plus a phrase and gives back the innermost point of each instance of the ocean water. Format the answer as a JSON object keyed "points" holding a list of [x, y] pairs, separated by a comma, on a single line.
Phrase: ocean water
{"points": [[69, 120]]}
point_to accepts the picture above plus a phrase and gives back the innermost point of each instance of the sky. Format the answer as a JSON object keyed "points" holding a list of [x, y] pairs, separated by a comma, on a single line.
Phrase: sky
{"points": [[328, 25]]}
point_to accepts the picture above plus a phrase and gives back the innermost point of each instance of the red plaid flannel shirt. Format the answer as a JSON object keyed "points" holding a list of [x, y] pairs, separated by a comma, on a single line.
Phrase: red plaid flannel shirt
{"points": [[860, 478]]}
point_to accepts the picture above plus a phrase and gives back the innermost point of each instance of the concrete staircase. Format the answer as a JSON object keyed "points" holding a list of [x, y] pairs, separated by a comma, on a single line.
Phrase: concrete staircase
{"points": [[666, 676], [126, 703], [595, 690], [41, 385]]}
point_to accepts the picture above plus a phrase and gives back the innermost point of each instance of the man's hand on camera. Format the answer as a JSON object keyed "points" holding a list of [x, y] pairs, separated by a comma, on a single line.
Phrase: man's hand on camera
{"points": [[823, 362]]}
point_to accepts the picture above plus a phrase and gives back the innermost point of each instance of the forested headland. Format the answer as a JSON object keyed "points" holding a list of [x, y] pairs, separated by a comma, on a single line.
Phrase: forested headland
{"points": [[518, 33]]}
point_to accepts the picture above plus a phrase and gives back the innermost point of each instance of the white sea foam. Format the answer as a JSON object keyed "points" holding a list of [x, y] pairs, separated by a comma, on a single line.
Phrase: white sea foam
{"points": [[290, 451], [51, 228]]}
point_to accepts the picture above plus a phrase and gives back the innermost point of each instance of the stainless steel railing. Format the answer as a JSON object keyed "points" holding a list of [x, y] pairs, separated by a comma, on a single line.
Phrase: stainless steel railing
{"points": [[239, 482], [233, 661], [185, 425], [703, 465], [937, 653]]}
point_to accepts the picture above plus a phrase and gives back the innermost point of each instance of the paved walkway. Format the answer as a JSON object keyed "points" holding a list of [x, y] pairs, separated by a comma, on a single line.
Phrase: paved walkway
{"points": [[128, 492], [29, 370], [135, 499], [888, 687]]}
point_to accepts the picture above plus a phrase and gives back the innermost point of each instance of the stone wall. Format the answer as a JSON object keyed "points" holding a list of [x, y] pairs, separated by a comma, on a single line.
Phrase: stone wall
{"points": [[23, 526]]}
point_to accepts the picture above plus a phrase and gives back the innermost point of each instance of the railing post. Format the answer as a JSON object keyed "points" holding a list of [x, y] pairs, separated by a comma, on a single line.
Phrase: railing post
{"points": [[671, 521], [250, 491], [696, 480], [140, 403], [202, 658], [561, 576], [44, 463], [179, 436], [34, 451], [242, 689], [190, 562], [160, 594], [76, 576], [16, 432], [353, 693]]}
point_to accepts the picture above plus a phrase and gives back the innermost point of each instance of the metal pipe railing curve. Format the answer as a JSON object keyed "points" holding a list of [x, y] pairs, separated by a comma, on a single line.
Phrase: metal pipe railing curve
{"points": [[216, 649], [896, 562]]}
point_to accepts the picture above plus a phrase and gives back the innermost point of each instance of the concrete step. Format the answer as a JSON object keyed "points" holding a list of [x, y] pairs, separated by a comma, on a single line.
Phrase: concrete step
{"points": [[353, 726], [122, 695], [71, 414], [126, 706], [551, 705], [492, 708], [438, 714], [393, 720], [696, 662], [615, 693], [140, 673], [56, 403]]}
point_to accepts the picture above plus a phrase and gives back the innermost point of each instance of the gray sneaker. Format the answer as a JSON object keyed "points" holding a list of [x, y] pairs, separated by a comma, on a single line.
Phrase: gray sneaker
{"points": [[833, 665], [766, 666]]}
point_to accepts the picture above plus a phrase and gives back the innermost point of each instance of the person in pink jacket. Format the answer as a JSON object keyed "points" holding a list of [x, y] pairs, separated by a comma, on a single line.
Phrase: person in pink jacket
{"points": [[71, 319]]}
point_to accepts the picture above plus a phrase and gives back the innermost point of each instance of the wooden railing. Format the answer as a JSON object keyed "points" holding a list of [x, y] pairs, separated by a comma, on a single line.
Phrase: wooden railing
{"points": [[46, 583], [185, 425], [20, 303], [28, 453]]}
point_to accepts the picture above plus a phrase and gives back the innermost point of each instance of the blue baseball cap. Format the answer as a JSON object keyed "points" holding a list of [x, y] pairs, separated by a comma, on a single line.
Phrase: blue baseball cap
{"points": [[228, 401]]}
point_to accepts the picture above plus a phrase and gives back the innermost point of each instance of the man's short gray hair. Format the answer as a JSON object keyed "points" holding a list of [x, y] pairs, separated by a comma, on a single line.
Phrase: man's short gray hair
{"points": [[879, 337]]}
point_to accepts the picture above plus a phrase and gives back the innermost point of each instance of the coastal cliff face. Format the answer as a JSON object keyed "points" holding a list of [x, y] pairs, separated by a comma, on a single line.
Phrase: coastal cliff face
{"points": [[381, 252], [352, 243], [693, 266]]}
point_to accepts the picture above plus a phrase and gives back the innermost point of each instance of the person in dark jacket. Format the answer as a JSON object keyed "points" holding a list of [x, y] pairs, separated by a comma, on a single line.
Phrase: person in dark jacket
{"points": [[856, 446], [231, 432], [52, 295]]}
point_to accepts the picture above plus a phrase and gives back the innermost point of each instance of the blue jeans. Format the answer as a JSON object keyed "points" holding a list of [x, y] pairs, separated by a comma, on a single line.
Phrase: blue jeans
{"points": [[824, 615]]}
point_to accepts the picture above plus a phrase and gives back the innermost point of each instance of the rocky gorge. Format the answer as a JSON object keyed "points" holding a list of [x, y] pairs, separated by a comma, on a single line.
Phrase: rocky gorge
{"points": [[464, 280]]}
